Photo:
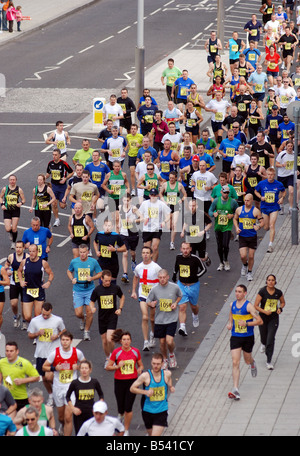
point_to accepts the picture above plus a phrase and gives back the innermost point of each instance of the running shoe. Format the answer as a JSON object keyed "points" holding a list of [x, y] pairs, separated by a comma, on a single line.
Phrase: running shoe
{"points": [[182, 331], [172, 361], [220, 267], [262, 348], [86, 335], [125, 278], [24, 325], [17, 321], [146, 346], [234, 394], [269, 366], [270, 249], [82, 324], [244, 270], [152, 340], [172, 246], [165, 364], [56, 223], [195, 321], [227, 266], [133, 265], [253, 368], [249, 276]]}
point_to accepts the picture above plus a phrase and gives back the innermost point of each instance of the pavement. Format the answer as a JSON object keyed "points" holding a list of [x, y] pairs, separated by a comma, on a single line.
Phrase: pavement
{"points": [[270, 403]]}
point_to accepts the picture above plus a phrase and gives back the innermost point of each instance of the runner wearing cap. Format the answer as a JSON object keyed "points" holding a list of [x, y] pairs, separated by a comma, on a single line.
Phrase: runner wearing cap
{"points": [[101, 424]]}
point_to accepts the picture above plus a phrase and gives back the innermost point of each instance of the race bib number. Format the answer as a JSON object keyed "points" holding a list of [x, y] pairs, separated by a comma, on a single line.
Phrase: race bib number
{"points": [[46, 337], [158, 394], [271, 304], [105, 253], [87, 196], [12, 200], [219, 116], [86, 395], [153, 212], [248, 224], [115, 153], [128, 367], [289, 165], [274, 124], [107, 302], [183, 91], [237, 327], [56, 175], [78, 231], [116, 189], [96, 176], [242, 107], [222, 219], [149, 119], [83, 274], [252, 181], [165, 305], [184, 270], [258, 87], [171, 199], [235, 48], [146, 289], [165, 167], [33, 292], [194, 230], [200, 184], [61, 145], [288, 46], [261, 161], [65, 376], [230, 152], [269, 197]]}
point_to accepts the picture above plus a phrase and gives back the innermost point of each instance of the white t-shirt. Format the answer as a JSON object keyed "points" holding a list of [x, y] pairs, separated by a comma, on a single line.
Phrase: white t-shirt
{"points": [[155, 213], [288, 159], [203, 180], [286, 96], [175, 139], [53, 326], [113, 110], [109, 427], [240, 160], [148, 275], [221, 107]]}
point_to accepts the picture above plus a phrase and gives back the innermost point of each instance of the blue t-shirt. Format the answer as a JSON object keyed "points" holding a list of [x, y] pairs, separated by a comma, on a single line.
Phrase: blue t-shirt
{"points": [[273, 122], [97, 173], [252, 56], [258, 81], [38, 238], [208, 159], [140, 154], [182, 85], [234, 47], [229, 148], [6, 424], [82, 269], [284, 130], [251, 26], [270, 190]]}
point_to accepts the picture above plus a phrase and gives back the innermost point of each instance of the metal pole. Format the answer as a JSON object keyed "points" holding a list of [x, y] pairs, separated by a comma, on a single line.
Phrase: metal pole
{"points": [[220, 26], [294, 209], [139, 53]]}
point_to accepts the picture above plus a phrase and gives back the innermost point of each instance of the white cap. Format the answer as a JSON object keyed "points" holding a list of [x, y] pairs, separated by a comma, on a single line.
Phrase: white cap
{"points": [[100, 407]]}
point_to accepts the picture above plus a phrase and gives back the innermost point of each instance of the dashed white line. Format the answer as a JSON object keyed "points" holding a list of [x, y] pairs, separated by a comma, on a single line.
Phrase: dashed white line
{"points": [[196, 36], [154, 12], [63, 61], [86, 49], [182, 47], [169, 3], [106, 39], [17, 169], [125, 28], [206, 28]]}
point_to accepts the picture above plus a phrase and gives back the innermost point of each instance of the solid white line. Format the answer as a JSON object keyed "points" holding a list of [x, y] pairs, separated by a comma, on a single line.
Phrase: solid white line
{"points": [[125, 28], [86, 49], [60, 213], [106, 39], [196, 36], [23, 124], [17, 169], [63, 61], [64, 242], [154, 12], [228, 9]]}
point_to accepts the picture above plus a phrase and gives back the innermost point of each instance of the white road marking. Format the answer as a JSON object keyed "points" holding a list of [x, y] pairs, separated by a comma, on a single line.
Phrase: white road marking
{"points": [[106, 39], [17, 169], [65, 60], [86, 49]]}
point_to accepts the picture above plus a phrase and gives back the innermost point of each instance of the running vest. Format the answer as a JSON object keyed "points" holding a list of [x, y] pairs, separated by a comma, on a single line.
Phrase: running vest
{"points": [[239, 186], [152, 182], [14, 279], [61, 141], [172, 196], [40, 434], [222, 223], [33, 273], [212, 47], [158, 402], [65, 375], [247, 222], [127, 221], [42, 197], [117, 184], [43, 419], [191, 118], [79, 229], [241, 314], [252, 177], [219, 71], [11, 198], [165, 166]]}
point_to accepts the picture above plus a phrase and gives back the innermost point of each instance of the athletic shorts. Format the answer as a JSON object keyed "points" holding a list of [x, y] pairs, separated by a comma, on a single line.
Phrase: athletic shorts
{"points": [[190, 293], [148, 235], [131, 161], [226, 166], [2, 296], [245, 343], [211, 59], [260, 96], [108, 323], [126, 123], [14, 213], [59, 395], [26, 297], [269, 210], [81, 298], [131, 242], [161, 331], [39, 364], [76, 246], [272, 73], [287, 181], [113, 267], [249, 242], [193, 130], [125, 399], [59, 191], [216, 126], [15, 291], [155, 419], [275, 141]]}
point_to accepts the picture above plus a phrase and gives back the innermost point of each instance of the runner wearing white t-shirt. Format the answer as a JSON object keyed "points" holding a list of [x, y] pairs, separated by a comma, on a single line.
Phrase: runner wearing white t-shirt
{"points": [[145, 276], [220, 109]]}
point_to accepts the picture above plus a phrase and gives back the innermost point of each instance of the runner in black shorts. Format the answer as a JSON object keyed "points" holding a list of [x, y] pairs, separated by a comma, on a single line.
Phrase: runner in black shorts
{"points": [[106, 295]]}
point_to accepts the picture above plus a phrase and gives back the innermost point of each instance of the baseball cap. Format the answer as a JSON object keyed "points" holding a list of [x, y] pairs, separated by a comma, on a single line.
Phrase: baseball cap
{"points": [[153, 191], [275, 107], [195, 158], [100, 407], [271, 88], [225, 188]]}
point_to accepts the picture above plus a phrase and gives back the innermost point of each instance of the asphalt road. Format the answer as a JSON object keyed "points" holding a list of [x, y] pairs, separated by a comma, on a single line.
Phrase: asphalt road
{"points": [[21, 135]]}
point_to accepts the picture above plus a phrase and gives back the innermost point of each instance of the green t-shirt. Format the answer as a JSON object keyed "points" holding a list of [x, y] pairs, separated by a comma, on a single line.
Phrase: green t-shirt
{"points": [[83, 156], [133, 141], [21, 368], [216, 192], [171, 74]]}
